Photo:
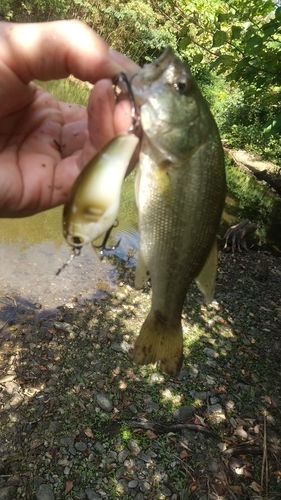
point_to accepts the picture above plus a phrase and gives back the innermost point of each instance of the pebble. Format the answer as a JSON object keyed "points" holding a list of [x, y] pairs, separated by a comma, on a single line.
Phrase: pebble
{"points": [[92, 495], [65, 327], [133, 447], [44, 492], [193, 372], [7, 493], [184, 413], [145, 486], [104, 402], [80, 446], [133, 484], [217, 408], [210, 353], [67, 441], [122, 456]]}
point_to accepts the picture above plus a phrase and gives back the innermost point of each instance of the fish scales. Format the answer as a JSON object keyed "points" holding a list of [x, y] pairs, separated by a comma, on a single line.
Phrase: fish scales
{"points": [[180, 189]]}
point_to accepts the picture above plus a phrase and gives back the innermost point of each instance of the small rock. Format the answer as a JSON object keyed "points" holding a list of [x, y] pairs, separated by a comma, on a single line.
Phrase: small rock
{"points": [[124, 347], [99, 447], [145, 457], [183, 375], [145, 486], [121, 472], [92, 495], [139, 496], [80, 446], [67, 441], [65, 327], [133, 484], [55, 426], [133, 447], [7, 493], [122, 456], [11, 387], [16, 401], [104, 402], [184, 413], [210, 353], [217, 408], [166, 491], [193, 372], [44, 492], [133, 409]]}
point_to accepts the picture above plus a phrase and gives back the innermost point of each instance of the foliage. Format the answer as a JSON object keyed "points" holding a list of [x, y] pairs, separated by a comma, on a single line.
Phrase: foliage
{"points": [[238, 38], [232, 46]]}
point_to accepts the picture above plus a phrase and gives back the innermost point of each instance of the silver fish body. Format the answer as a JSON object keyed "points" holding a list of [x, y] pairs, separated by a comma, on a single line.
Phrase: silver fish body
{"points": [[180, 191], [93, 203]]}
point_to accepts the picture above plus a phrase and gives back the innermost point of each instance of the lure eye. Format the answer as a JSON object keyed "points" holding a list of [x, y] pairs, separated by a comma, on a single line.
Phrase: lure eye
{"points": [[77, 241]]}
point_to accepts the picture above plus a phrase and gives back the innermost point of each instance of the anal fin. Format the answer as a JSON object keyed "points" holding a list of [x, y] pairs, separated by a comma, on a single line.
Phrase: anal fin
{"points": [[142, 273], [207, 277]]}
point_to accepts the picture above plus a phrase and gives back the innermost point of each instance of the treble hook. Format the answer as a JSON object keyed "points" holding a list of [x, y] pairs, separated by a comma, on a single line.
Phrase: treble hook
{"points": [[103, 246]]}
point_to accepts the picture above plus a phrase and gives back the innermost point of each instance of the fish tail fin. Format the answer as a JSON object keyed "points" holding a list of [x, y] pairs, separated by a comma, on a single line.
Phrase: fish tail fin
{"points": [[159, 341]]}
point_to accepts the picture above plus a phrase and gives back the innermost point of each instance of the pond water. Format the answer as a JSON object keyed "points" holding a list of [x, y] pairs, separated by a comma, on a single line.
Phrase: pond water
{"points": [[33, 249]]}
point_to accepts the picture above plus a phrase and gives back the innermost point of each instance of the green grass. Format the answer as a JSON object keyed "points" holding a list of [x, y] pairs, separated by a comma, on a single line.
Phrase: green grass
{"points": [[67, 91]]}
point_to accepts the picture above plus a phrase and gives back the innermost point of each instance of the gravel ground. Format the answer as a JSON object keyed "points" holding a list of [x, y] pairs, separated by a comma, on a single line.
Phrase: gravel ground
{"points": [[79, 420]]}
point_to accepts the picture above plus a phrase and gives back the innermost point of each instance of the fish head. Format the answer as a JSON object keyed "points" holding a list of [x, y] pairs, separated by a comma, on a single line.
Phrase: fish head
{"points": [[172, 107]]}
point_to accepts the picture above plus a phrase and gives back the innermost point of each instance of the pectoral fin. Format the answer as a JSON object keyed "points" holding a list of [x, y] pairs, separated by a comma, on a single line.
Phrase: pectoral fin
{"points": [[207, 277], [142, 273]]}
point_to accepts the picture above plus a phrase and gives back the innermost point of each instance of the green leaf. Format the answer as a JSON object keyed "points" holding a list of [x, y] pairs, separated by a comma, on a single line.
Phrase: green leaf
{"points": [[219, 38], [273, 125], [197, 59], [253, 45], [184, 42], [222, 17], [278, 13], [226, 60], [235, 32]]}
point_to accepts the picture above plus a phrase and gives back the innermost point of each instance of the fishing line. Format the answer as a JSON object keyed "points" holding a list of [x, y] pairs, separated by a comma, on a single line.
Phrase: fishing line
{"points": [[75, 253], [134, 114]]}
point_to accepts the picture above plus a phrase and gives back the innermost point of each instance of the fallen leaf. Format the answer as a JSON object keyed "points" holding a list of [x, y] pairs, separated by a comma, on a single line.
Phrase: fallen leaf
{"points": [[198, 420], [89, 433], [236, 489], [150, 434], [173, 439], [256, 487], [68, 487], [193, 487], [184, 454]]}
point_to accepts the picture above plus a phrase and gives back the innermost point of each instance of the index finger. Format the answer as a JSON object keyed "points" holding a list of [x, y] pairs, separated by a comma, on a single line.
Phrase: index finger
{"points": [[54, 50]]}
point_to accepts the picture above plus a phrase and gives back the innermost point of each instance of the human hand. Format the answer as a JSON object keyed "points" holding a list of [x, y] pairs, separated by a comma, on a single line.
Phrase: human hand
{"points": [[44, 144]]}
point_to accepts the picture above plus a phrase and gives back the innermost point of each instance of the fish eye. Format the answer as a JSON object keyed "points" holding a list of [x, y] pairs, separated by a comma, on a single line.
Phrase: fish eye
{"points": [[182, 85]]}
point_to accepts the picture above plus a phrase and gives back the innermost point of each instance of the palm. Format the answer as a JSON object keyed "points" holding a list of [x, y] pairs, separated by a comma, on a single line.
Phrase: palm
{"points": [[46, 146]]}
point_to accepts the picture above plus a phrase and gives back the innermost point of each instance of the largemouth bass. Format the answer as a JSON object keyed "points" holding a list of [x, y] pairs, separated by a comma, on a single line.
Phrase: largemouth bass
{"points": [[180, 191], [93, 203]]}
